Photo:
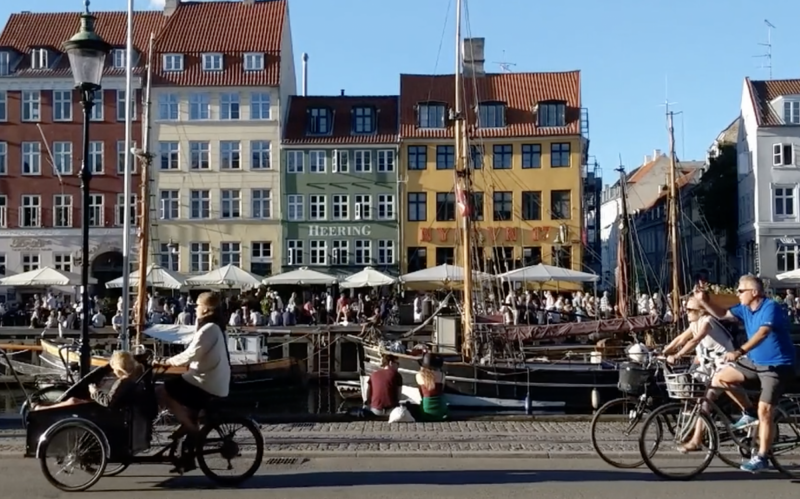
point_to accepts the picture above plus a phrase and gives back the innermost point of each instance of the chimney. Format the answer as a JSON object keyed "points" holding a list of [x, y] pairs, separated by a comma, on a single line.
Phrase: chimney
{"points": [[342, 93], [248, 2], [305, 74], [646, 159], [170, 6], [472, 53], [656, 154]]}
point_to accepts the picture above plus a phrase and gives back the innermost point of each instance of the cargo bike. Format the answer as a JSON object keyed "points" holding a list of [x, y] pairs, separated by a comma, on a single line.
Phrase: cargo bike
{"points": [[94, 441]]}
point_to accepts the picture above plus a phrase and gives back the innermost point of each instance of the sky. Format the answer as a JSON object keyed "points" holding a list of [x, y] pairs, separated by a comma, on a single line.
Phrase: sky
{"points": [[633, 55]]}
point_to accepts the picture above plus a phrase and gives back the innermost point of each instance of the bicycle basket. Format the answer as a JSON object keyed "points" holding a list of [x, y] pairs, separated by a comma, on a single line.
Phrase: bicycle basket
{"points": [[686, 385], [632, 377]]}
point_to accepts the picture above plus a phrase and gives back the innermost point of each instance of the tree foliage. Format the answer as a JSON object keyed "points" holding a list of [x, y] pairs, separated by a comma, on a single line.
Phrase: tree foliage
{"points": [[717, 196]]}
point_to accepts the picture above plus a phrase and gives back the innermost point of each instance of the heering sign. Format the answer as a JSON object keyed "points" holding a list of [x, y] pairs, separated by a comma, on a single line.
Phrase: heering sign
{"points": [[339, 231]]}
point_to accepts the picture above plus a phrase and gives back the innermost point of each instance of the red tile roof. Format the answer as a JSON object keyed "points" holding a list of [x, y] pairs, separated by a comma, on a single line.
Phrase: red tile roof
{"points": [[762, 93], [342, 133], [520, 92], [230, 28], [683, 181]]}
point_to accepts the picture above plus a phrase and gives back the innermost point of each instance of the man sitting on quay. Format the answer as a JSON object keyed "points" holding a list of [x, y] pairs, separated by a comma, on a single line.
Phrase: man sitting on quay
{"points": [[768, 357], [384, 387]]}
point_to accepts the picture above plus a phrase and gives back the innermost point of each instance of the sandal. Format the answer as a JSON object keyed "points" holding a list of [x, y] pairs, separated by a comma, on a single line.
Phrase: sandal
{"points": [[689, 448]]}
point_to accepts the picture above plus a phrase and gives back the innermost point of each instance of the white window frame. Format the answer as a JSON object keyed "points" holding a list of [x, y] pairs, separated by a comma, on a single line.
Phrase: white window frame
{"points": [[362, 161], [230, 155], [791, 112], [40, 58], [341, 161], [199, 106], [362, 207], [317, 162], [202, 252], [62, 157], [261, 204], [230, 202], [97, 157], [173, 62], [121, 153], [169, 108], [199, 155], [294, 252], [386, 161], [318, 252], [30, 261], [295, 207], [200, 199], [62, 262], [32, 155], [260, 253], [788, 195], [119, 210], [230, 106], [317, 207], [118, 57], [363, 252], [340, 207], [386, 202], [31, 105], [340, 252], [97, 108], [62, 105], [62, 211], [787, 250], [230, 253], [121, 105], [295, 161], [260, 155], [169, 151], [169, 204], [779, 155], [386, 252], [97, 210], [213, 62], [5, 63], [260, 106], [254, 61]]}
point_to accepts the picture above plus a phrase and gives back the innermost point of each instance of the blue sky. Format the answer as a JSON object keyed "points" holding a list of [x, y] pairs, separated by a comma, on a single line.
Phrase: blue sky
{"points": [[632, 54]]}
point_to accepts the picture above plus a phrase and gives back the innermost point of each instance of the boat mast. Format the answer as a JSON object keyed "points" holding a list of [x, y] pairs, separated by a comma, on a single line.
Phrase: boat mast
{"points": [[463, 193], [145, 160], [624, 301], [128, 188], [673, 218]]}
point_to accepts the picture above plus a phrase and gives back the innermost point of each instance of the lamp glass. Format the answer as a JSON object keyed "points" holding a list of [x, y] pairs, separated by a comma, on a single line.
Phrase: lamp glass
{"points": [[87, 65]]}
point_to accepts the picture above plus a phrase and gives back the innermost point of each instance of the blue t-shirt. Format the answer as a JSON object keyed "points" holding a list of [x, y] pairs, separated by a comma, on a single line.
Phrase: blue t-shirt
{"points": [[777, 348]]}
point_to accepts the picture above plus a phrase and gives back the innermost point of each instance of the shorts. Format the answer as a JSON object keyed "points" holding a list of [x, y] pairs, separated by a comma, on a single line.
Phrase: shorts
{"points": [[187, 394], [773, 379]]}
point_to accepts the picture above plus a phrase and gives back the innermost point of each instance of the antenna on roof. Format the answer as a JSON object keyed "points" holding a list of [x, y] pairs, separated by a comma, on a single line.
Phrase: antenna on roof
{"points": [[505, 67], [768, 56]]}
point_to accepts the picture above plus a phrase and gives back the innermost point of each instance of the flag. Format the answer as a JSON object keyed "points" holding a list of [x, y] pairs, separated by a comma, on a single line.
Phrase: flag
{"points": [[462, 201]]}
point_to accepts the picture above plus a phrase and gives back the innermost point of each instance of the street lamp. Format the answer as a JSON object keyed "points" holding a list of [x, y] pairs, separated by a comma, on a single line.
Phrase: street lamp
{"points": [[87, 56]]}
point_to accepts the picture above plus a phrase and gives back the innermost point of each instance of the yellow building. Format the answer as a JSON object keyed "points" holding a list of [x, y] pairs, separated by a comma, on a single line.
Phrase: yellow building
{"points": [[528, 153]]}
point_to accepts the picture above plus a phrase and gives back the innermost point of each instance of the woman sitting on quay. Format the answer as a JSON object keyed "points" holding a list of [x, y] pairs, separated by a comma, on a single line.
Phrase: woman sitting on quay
{"points": [[430, 379]]}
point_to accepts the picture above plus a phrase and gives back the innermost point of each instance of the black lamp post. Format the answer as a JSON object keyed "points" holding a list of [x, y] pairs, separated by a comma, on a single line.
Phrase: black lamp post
{"points": [[87, 56]]}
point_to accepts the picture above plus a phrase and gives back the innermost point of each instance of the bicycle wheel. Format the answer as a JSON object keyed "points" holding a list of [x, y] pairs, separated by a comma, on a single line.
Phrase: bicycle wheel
{"points": [[786, 444], [665, 429], [115, 470], [77, 448], [612, 424], [224, 446]]}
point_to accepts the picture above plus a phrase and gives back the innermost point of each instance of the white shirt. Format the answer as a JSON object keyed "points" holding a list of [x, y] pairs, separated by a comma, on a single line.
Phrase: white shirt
{"points": [[207, 358], [99, 320], [715, 344]]}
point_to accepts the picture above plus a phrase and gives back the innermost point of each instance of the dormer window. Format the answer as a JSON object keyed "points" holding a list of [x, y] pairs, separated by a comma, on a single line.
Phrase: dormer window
{"points": [[363, 119], [254, 62], [431, 115], [5, 63], [118, 58], [39, 59], [492, 115], [173, 62], [791, 112], [212, 62], [319, 120], [551, 113]]}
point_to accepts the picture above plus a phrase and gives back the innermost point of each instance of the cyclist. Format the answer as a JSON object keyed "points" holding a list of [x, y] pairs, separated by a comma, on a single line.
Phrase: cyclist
{"points": [[768, 357]]}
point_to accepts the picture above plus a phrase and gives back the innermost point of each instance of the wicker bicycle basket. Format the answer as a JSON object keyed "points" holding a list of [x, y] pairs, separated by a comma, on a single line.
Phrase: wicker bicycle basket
{"points": [[686, 385], [633, 377]]}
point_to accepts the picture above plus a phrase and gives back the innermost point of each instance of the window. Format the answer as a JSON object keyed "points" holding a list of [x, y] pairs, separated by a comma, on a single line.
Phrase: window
{"points": [[230, 254], [559, 155], [30, 215], [97, 109], [31, 106], [363, 160], [169, 257], [3, 101], [62, 211], [199, 155], [169, 154], [782, 155], [170, 204], [3, 158], [62, 262], [200, 254], [200, 203], [386, 161], [96, 157], [294, 162], [230, 152], [791, 112], [416, 258], [503, 204], [786, 258], [552, 114], [562, 257], [123, 153], [363, 206], [173, 62], [385, 206], [62, 157], [445, 206], [231, 203], [121, 106], [5, 64], [318, 254], [477, 206], [417, 206], [212, 62], [386, 252], [319, 121], [120, 211], [532, 205], [62, 105], [531, 156], [363, 119], [259, 106], [261, 258], [492, 115], [3, 212], [502, 259], [363, 252], [261, 203], [295, 204], [531, 255], [39, 59], [560, 205], [476, 156], [501, 157], [118, 58], [96, 210], [30, 262], [784, 202], [431, 115], [294, 253], [341, 206], [254, 61], [445, 256], [340, 253], [199, 107], [445, 157], [316, 207], [260, 155], [31, 158], [229, 106], [168, 107], [417, 157], [341, 162], [317, 161]]}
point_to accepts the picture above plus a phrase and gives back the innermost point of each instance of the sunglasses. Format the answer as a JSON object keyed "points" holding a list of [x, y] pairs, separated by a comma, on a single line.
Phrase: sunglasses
{"points": [[692, 309], [740, 291]]}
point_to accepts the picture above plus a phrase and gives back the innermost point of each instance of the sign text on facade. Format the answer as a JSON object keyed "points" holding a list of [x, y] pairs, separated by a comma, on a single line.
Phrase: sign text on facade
{"points": [[339, 231]]}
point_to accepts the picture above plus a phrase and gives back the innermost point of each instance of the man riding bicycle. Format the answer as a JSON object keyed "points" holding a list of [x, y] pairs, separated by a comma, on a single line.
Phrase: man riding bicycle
{"points": [[768, 357]]}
